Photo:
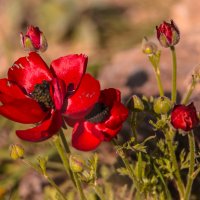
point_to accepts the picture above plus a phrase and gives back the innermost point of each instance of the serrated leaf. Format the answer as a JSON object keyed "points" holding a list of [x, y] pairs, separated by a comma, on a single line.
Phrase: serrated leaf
{"points": [[123, 171]]}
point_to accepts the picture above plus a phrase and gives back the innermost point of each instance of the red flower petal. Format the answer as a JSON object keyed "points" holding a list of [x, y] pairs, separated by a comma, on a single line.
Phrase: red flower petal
{"points": [[70, 68], [109, 96], [85, 137], [118, 114], [58, 93], [82, 101], [24, 110], [43, 131], [108, 133], [10, 91], [28, 71], [35, 35], [184, 117]]}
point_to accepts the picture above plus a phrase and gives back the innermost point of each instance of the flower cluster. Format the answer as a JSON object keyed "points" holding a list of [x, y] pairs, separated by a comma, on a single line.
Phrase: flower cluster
{"points": [[49, 97]]}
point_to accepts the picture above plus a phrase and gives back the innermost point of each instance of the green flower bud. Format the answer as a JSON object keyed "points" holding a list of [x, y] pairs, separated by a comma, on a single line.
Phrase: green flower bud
{"points": [[16, 151], [76, 163], [162, 105], [135, 103]]}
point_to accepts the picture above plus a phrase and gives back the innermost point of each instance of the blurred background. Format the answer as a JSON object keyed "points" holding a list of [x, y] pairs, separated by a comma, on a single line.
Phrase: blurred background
{"points": [[110, 33]]}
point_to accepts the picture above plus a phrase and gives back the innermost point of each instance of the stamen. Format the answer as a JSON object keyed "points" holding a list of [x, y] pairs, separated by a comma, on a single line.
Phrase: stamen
{"points": [[99, 113], [42, 95]]}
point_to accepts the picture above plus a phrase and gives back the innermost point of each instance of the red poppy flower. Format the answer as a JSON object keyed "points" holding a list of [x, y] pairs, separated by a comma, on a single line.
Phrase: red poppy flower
{"points": [[34, 39], [34, 93], [168, 34], [102, 123], [184, 117]]}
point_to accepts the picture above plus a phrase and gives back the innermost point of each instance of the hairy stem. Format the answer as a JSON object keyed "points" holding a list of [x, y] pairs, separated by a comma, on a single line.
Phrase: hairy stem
{"points": [[190, 178], [50, 180], [156, 68], [169, 138], [127, 164], [189, 92], [158, 79], [99, 192], [174, 74], [73, 174]]}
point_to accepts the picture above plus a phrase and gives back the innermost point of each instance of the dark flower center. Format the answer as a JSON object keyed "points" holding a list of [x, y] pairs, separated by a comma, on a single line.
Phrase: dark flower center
{"points": [[41, 94], [99, 113]]}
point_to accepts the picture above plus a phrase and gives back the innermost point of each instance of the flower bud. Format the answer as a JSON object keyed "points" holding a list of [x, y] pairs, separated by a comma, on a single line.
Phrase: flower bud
{"points": [[168, 34], [76, 163], [135, 103], [162, 105], [148, 47], [34, 40], [184, 117], [16, 151]]}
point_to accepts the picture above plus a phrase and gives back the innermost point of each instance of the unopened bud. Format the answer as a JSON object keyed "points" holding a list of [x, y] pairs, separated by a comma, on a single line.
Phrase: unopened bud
{"points": [[16, 151], [168, 34], [135, 103], [162, 105], [34, 40], [76, 163]]}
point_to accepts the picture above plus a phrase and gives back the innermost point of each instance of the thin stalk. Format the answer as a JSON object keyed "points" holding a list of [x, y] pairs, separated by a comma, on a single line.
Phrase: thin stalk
{"points": [[133, 124], [195, 174], [74, 175], [189, 92], [190, 178], [156, 68], [62, 155], [50, 180], [168, 194], [79, 187], [158, 79], [64, 141], [99, 192], [127, 165], [174, 74], [179, 182]]}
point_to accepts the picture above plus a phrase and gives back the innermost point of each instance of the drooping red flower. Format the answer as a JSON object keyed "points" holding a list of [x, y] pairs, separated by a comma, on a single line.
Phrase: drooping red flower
{"points": [[184, 117], [34, 39], [36, 94], [102, 123], [168, 34]]}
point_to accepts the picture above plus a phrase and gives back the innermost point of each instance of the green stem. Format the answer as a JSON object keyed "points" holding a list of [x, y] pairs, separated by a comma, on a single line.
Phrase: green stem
{"points": [[190, 178], [133, 124], [50, 180], [174, 74], [99, 192], [158, 79], [64, 157], [74, 175], [156, 68], [64, 141], [189, 92], [169, 138], [79, 187], [169, 197], [127, 165]]}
